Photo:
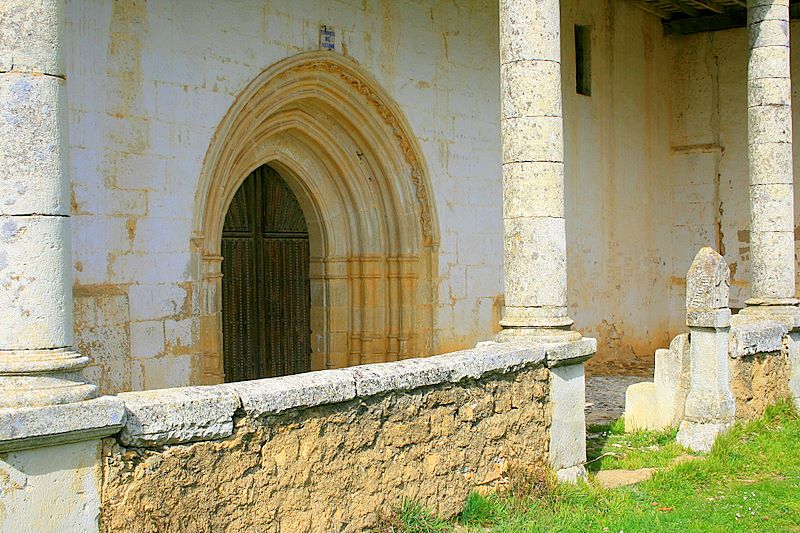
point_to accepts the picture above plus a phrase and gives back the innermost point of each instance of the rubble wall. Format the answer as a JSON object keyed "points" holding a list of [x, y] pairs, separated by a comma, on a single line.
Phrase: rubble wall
{"points": [[758, 381], [341, 456]]}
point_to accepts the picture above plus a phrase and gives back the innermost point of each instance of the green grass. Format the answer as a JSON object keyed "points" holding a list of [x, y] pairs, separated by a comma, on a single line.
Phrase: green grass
{"points": [[749, 482], [608, 447], [416, 519]]}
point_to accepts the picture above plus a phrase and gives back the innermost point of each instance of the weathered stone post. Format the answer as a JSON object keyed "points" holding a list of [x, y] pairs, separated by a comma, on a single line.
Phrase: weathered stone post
{"points": [[37, 363], [710, 407], [769, 100], [535, 258]]}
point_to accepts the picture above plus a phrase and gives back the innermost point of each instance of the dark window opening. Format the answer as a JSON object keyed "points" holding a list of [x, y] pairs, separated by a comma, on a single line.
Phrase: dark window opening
{"points": [[583, 60]]}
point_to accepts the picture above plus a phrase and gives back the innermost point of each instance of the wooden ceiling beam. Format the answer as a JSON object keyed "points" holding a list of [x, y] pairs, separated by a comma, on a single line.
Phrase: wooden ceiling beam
{"points": [[725, 21], [653, 10], [710, 23], [683, 6], [711, 5]]}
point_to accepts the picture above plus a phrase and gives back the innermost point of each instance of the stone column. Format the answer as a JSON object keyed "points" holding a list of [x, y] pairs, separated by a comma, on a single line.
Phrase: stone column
{"points": [[710, 407], [770, 155], [535, 259], [37, 363]]}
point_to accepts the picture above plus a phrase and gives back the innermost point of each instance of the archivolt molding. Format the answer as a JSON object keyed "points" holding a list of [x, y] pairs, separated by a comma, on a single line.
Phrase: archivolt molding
{"points": [[349, 72], [345, 149], [391, 120]]}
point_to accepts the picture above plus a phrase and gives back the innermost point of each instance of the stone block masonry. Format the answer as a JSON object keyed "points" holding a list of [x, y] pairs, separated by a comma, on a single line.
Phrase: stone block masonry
{"points": [[329, 451]]}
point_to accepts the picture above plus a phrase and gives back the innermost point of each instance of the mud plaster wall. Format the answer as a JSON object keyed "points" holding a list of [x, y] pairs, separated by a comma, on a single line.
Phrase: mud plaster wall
{"points": [[347, 464], [709, 180], [150, 81], [758, 381]]}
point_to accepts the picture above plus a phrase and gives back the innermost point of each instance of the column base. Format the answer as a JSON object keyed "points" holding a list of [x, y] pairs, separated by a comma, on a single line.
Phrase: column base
{"points": [[549, 317], [538, 334], [781, 311], [563, 347], [34, 378]]}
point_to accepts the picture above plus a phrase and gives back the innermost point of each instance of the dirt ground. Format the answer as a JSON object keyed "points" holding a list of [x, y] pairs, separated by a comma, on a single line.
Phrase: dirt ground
{"points": [[627, 365], [607, 379]]}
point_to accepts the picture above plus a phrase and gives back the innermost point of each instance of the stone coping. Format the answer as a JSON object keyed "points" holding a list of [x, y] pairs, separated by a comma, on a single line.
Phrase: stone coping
{"points": [[756, 337], [33, 427], [175, 416]]}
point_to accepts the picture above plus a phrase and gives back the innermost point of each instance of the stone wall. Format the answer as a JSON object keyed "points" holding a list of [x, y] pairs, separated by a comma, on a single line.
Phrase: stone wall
{"points": [[150, 83], [333, 450], [760, 367], [140, 71], [660, 143], [758, 381], [709, 151], [616, 144]]}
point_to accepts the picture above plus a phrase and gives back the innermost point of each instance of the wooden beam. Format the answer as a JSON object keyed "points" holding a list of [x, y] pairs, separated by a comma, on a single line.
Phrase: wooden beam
{"points": [[683, 6], [726, 21], [653, 10], [736, 19], [711, 5]]}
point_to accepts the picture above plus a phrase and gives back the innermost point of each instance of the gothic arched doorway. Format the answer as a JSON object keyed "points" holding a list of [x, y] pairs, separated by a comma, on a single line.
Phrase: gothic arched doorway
{"points": [[345, 150], [266, 298]]}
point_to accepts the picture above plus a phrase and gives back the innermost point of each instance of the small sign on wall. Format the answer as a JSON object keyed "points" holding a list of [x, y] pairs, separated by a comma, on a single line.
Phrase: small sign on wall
{"points": [[327, 38]]}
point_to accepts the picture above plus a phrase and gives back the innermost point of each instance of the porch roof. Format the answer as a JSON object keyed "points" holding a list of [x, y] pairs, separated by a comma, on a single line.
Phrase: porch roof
{"points": [[692, 16]]}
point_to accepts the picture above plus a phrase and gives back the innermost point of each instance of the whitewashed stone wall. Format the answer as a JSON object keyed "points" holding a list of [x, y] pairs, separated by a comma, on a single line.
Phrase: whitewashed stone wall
{"points": [[150, 82], [616, 153], [708, 140]]}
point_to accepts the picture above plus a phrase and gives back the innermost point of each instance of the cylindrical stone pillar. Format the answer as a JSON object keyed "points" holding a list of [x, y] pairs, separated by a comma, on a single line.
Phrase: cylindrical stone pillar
{"points": [[37, 363], [535, 258], [769, 100]]}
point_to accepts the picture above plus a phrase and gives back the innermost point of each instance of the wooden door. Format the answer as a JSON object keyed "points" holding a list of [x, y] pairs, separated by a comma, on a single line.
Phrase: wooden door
{"points": [[266, 299]]}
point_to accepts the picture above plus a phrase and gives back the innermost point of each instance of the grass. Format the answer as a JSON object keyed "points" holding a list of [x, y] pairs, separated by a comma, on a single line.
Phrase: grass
{"points": [[417, 519], [749, 482], [609, 447]]}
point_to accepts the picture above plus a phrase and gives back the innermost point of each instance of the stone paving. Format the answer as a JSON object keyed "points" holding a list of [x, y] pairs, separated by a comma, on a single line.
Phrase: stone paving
{"points": [[605, 397]]}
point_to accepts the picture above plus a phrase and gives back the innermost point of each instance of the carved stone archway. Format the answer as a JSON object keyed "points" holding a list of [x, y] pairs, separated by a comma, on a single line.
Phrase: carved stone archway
{"points": [[345, 150]]}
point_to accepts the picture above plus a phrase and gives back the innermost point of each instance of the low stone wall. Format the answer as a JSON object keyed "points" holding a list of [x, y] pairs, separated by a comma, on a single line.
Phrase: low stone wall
{"points": [[758, 381], [324, 451], [759, 367]]}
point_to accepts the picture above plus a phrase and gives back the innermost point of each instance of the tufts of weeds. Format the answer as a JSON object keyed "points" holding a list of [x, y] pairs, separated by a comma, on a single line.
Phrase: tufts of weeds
{"points": [[414, 518], [481, 510]]}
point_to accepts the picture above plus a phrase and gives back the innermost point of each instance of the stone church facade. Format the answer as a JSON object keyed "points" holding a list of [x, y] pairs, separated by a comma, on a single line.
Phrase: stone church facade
{"points": [[210, 199]]}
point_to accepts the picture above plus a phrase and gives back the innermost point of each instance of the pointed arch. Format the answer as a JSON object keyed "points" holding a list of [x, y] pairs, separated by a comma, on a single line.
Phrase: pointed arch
{"points": [[346, 151]]}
